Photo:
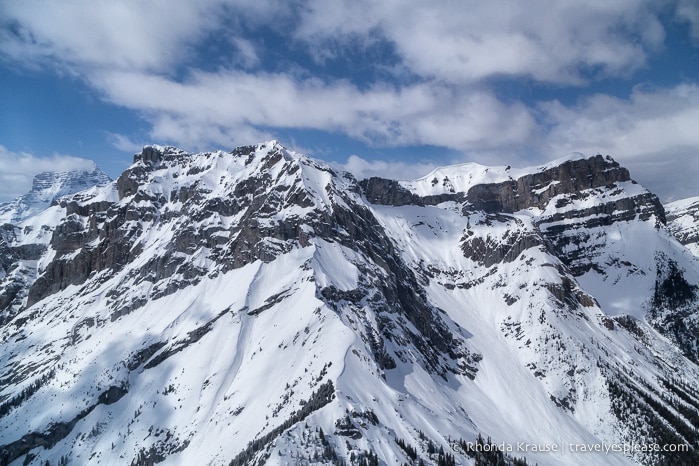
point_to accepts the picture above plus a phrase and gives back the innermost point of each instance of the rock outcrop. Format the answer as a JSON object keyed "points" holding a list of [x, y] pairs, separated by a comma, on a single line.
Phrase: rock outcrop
{"points": [[537, 189], [683, 222]]}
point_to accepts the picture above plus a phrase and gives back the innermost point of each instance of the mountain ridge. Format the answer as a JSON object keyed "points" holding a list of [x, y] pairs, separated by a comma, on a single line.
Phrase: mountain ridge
{"points": [[262, 296], [47, 187]]}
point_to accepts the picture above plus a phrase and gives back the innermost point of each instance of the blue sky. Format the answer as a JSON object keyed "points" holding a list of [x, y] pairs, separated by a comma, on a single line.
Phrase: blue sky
{"points": [[388, 87]]}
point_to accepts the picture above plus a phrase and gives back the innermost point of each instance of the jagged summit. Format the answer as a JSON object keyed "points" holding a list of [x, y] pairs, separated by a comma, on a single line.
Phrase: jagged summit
{"points": [[47, 187], [256, 306], [167, 173], [153, 153]]}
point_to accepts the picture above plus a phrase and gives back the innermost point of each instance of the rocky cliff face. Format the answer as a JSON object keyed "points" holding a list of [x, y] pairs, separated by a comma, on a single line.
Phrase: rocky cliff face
{"points": [[16, 270], [564, 202], [27, 224], [47, 187], [683, 222], [538, 188], [258, 307]]}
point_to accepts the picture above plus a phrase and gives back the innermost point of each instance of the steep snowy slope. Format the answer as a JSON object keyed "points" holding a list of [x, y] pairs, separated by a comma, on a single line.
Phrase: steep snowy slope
{"points": [[571, 263], [683, 222], [256, 307]]}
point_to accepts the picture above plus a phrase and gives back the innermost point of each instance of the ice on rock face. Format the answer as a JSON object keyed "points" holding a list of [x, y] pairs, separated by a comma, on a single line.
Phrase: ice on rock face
{"points": [[258, 307]]}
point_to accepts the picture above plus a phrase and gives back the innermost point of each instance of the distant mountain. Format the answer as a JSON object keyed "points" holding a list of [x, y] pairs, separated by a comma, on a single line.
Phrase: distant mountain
{"points": [[258, 307], [683, 222], [46, 188], [26, 228]]}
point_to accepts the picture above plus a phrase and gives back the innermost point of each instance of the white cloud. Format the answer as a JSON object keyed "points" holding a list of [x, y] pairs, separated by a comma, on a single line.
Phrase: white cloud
{"points": [[463, 41], [362, 168], [126, 34], [688, 10], [216, 106], [17, 169], [124, 143], [456, 41], [248, 52], [130, 50], [194, 133], [651, 122]]}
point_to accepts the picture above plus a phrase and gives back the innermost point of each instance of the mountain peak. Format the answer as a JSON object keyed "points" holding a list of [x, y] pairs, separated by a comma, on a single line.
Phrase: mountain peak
{"points": [[164, 170], [47, 187], [459, 178]]}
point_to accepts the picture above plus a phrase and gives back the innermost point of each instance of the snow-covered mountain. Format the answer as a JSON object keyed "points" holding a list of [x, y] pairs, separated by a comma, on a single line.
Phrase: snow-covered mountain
{"points": [[683, 222], [26, 226], [259, 307], [48, 187]]}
